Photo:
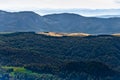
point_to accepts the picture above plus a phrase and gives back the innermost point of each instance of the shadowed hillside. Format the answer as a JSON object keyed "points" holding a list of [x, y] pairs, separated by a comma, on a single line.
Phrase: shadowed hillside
{"points": [[67, 57]]}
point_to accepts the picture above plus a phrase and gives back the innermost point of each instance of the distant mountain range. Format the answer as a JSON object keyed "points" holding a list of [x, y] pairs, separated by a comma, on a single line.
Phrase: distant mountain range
{"points": [[84, 12], [108, 16], [64, 22]]}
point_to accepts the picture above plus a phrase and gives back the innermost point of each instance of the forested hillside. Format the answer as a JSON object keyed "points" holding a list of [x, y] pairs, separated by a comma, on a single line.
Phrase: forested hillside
{"points": [[30, 56]]}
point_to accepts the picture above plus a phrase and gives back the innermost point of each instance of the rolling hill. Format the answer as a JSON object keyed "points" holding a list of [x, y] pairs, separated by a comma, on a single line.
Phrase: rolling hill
{"points": [[66, 57]]}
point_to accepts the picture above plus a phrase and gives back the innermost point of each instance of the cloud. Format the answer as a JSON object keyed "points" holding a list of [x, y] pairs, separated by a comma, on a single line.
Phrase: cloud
{"points": [[117, 1], [57, 4]]}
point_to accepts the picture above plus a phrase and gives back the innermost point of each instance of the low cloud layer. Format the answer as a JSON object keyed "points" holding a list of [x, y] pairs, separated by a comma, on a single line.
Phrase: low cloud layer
{"points": [[55, 4]]}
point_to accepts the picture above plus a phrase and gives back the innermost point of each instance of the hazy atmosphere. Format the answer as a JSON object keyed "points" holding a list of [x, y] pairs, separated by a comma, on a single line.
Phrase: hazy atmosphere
{"points": [[82, 7], [64, 4]]}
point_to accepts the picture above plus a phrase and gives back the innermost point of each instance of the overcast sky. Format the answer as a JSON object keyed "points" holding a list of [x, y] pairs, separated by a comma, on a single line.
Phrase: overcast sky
{"points": [[55, 4]]}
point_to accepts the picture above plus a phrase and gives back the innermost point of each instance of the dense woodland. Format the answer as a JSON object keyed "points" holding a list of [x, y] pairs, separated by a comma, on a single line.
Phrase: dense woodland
{"points": [[59, 58]]}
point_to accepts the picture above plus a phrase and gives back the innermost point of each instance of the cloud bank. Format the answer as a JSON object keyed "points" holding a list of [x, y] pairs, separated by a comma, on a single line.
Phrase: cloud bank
{"points": [[58, 4]]}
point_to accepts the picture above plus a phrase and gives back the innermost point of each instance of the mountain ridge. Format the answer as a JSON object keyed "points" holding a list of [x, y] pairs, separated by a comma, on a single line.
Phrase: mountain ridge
{"points": [[64, 22]]}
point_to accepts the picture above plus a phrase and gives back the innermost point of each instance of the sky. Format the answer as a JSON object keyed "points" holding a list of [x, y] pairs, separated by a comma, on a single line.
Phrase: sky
{"points": [[58, 4], [44, 7]]}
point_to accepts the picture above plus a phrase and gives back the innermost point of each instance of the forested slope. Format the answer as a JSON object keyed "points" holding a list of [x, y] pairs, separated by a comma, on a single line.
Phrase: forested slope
{"points": [[97, 57]]}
